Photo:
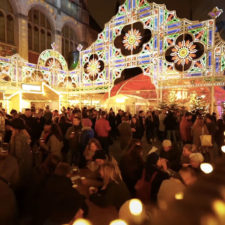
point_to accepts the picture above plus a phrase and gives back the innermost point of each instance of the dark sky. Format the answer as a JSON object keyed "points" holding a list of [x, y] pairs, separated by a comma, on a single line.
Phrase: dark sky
{"points": [[103, 10]]}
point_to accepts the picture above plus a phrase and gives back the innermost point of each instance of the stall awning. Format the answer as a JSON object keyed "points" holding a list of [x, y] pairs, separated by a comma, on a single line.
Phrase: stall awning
{"points": [[139, 85]]}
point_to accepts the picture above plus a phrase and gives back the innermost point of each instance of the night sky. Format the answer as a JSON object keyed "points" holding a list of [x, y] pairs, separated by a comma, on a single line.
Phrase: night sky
{"points": [[103, 10]]}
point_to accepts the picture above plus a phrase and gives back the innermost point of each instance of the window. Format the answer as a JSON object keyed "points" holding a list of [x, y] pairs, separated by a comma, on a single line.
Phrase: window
{"points": [[39, 31], [7, 22], [68, 40]]}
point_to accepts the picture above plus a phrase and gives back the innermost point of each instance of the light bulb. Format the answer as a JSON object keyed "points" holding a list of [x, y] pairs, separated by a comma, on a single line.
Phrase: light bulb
{"points": [[118, 222], [223, 148], [179, 196], [81, 222], [135, 207], [206, 168]]}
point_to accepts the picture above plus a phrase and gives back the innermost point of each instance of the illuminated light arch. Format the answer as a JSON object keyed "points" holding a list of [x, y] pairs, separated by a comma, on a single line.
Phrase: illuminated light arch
{"points": [[165, 28]]}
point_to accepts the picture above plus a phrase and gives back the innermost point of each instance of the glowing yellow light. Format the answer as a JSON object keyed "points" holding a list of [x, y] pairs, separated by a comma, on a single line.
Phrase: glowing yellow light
{"points": [[120, 100], [135, 207], [223, 148], [179, 196], [81, 222], [118, 222], [219, 208], [206, 168]]}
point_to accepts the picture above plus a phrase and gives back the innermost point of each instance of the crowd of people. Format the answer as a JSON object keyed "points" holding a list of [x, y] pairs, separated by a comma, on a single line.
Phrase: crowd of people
{"points": [[40, 149]]}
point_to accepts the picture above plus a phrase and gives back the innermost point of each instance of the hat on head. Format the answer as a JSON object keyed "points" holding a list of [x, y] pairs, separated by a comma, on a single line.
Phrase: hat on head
{"points": [[167, 143]]}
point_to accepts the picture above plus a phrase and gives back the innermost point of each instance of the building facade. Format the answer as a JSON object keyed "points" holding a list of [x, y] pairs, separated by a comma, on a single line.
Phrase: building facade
{"points": [[28, 27]]}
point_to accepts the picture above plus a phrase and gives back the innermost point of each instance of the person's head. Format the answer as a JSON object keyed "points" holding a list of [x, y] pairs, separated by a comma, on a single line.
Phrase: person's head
{"points": [[47, 127], [167, 145], [188, 175], [196, 159], [187, 150], [63, 169], [13, 113], [209, 119], [27, 112], [103, 114], [94, 145], [100, 157], [110, 173], [188, 115], [134, 120], [76, 121]]}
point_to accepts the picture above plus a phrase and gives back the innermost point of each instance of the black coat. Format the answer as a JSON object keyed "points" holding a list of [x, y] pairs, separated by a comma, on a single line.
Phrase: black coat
{"points": [[56, 196]]}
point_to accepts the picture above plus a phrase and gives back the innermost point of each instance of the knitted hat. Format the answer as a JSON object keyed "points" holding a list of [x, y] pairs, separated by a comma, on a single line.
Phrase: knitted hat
{"points": [[167, 143]]}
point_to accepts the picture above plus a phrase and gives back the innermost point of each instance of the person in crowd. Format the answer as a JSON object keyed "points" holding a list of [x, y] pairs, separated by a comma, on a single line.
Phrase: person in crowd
{"points": [[30, 123], [219, 137], [102, 129], [175, 186], [89, 152], [9, 169], [155, 115], [149, 125], [119, 117], [56, 193], [114, 191], [196, 159], [100, 157], [125, 133], [185, 128], [20, 148], [47, 114], [54, 142], [153, 175], [40, 121], [141, 121], [87, 131], [135, 128], [188, 149], [199, 128], [112, 123], [8, 131], [8, 204], [211, 126], [131, 166], [73, 135], [14, 114], [170, 154], [162, 127], [171, 125]]}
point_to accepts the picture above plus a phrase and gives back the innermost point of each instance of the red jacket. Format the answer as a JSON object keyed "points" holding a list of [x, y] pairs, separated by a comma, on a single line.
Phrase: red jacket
{"points": [[102, 127], [185, 129]]}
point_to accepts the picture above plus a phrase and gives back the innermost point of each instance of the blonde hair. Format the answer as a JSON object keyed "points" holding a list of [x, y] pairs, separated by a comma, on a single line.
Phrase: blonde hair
{"points": [[111, 173]]}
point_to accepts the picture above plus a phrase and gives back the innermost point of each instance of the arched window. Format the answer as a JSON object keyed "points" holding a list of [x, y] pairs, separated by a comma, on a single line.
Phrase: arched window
{"points": [[39, 34], [7, 23], [68, 40]]}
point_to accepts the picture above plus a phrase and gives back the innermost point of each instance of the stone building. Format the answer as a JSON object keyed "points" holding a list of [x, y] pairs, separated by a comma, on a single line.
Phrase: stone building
{"points": [[28, 27]]}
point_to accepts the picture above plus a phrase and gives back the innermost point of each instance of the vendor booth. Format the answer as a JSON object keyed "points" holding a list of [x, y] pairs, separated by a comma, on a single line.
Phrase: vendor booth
{"points": [[38, 95]]}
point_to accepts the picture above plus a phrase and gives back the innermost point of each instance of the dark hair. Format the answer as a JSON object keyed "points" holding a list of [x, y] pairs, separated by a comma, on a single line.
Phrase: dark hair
{"points": [[13, 111]]}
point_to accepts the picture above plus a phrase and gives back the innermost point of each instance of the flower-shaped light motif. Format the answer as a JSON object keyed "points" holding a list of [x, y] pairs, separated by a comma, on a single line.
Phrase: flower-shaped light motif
{"points": [[132, 38], [184, 52], [93, 67]]}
